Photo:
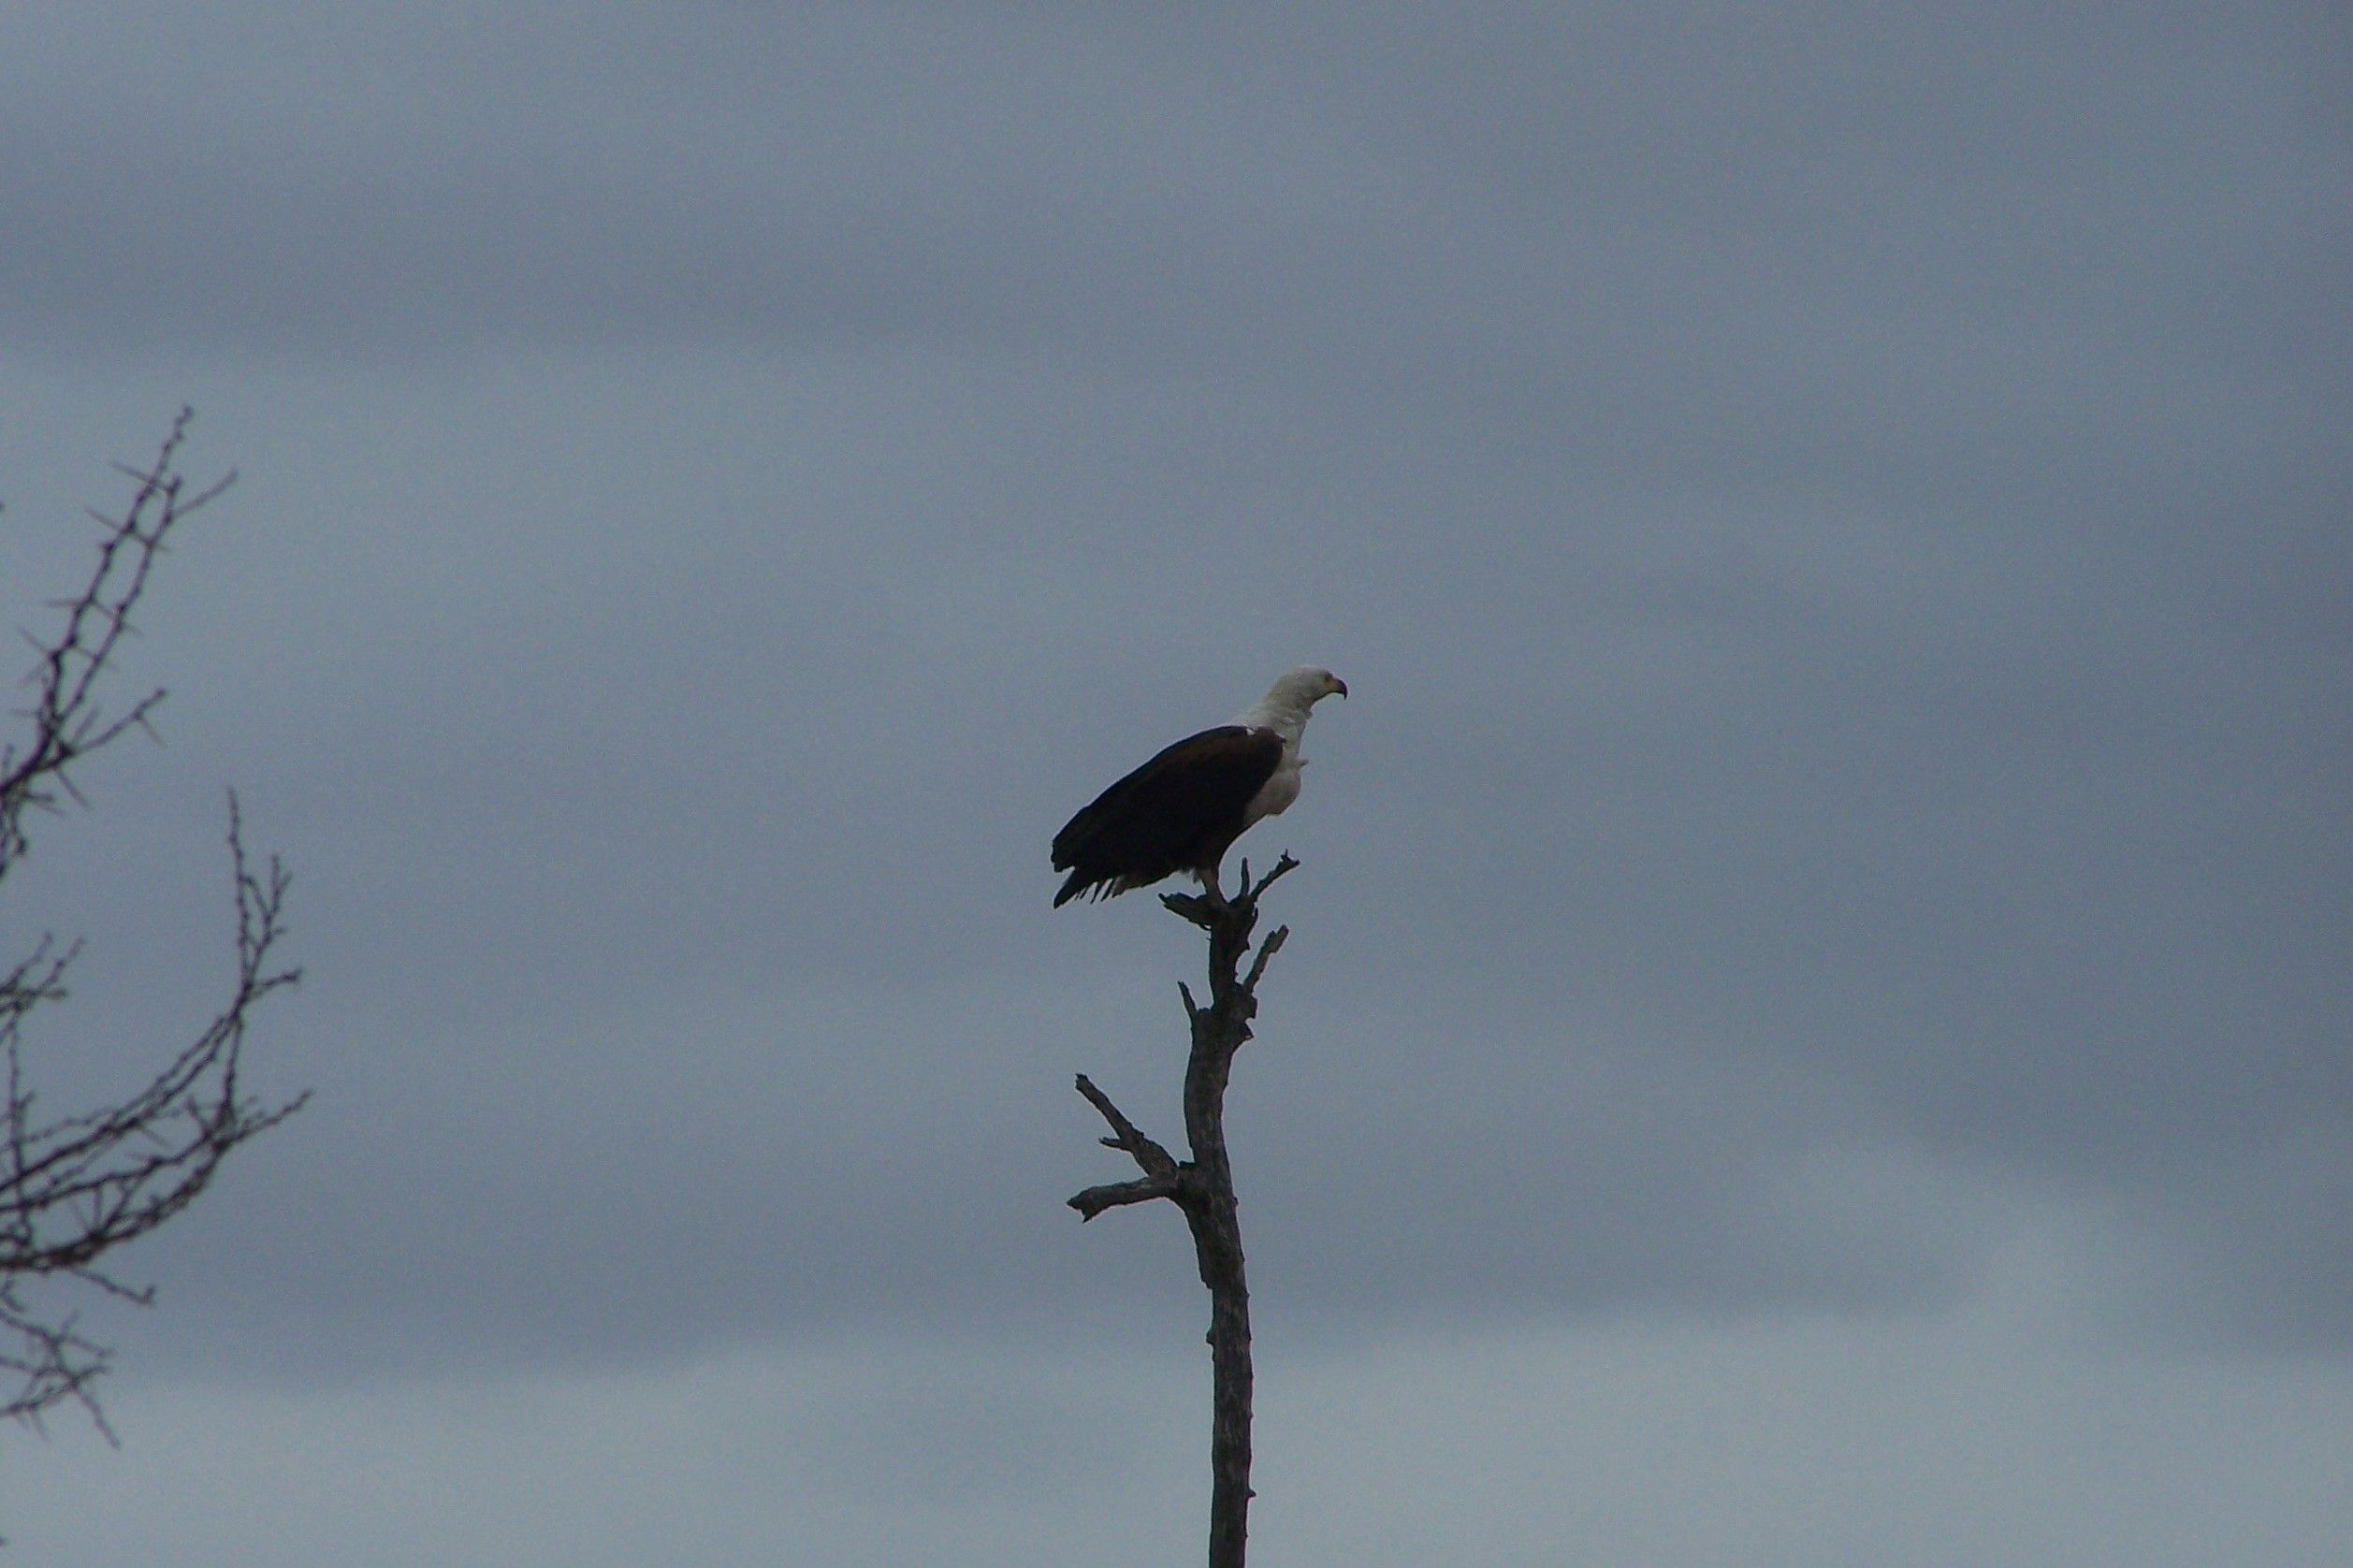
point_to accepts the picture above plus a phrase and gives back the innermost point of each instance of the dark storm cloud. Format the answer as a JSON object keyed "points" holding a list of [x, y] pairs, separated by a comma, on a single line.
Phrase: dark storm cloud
{"points": [[1836, 529]]}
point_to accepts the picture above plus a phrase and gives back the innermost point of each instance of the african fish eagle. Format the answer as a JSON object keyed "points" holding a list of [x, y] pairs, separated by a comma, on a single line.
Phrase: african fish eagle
{"points": [[1182, 809]]}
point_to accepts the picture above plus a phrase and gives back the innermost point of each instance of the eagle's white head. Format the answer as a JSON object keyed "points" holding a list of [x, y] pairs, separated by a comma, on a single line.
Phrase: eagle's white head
{"points": [[1289, 701]]}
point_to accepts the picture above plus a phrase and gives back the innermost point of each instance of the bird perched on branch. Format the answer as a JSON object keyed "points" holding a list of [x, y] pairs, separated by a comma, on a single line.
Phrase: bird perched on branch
{"points": [[1181, 810]]}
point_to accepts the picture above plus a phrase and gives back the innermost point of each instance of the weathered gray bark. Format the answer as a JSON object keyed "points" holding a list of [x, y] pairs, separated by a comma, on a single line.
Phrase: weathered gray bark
{"points": [[1203, 1186]]}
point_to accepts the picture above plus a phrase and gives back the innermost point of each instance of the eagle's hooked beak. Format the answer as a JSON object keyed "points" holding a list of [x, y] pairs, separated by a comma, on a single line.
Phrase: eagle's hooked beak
{"points": [[1339, 687]]}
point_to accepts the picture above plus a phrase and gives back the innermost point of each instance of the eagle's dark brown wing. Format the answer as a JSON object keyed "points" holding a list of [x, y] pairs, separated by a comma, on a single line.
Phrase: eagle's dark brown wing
{"points": [[1178, 812]]}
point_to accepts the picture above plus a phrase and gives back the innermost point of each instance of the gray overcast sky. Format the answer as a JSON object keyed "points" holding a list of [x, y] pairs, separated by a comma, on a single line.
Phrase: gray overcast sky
{"points": [[1816, 1030]]}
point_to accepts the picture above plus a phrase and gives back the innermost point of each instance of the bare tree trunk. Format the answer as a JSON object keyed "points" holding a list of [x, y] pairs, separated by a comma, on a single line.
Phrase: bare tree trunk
{"points": [[1203, 1187]]}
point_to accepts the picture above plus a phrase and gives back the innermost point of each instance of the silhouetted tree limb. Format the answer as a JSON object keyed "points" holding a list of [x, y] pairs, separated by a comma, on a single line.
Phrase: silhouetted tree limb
{"points": [[1203, 1187], [75, 1187], [1162, 1176]]}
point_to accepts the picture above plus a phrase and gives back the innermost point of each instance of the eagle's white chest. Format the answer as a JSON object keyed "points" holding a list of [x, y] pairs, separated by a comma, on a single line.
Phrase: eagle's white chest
{"points": [[1279, 791]]}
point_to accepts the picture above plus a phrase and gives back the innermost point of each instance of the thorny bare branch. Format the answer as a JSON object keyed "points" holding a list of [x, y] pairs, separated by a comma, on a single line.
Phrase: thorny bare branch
{"points": [[77, 1186], [68, 722]]}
